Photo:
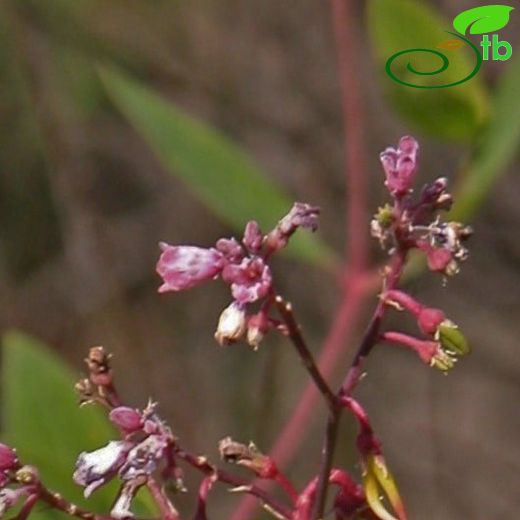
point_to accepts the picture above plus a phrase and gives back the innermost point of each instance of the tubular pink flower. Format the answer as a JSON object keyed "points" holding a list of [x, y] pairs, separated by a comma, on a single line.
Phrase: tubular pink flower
{"points": [[400, 166], [184, 267]]}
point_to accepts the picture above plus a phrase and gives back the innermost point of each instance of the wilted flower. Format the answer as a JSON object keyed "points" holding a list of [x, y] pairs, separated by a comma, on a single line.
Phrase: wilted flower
{"points": [[98, 467], [133, 461], [248, 456]]}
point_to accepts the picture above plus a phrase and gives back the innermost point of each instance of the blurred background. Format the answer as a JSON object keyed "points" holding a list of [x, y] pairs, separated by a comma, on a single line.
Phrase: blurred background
{"points": [[89, 185]]}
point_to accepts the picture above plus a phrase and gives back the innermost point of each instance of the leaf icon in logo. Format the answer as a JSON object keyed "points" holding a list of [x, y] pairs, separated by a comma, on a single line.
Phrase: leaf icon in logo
{"points": [[484, 19]]}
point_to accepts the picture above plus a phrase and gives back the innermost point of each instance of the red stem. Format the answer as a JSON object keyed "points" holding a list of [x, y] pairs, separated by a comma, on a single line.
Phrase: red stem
{"points": [[287, 486], [202, 464], [347, 49]]}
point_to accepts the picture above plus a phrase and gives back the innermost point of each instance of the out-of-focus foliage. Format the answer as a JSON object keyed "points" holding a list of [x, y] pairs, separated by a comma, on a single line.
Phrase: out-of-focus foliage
{"points": [[497, 147], [42, 419], [217, 170], [456, 112]]}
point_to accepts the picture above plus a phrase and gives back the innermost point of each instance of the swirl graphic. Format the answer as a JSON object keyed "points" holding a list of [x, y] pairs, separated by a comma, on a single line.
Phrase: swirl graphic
{"points": [[445, 62]]}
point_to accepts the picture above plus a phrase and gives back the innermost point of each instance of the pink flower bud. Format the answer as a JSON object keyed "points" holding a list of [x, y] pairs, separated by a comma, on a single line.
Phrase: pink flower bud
{"points": [[257, 326], [127, 419], [301, 215], [184, 267], [429, 320], [400, 166], [8, 458], [253, 237]]}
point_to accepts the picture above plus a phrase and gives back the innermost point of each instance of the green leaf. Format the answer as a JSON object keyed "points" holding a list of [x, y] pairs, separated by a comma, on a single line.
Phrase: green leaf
{"points": [[409, 40], [42, 420], [218, 171], [483, 19], [499, 145]]}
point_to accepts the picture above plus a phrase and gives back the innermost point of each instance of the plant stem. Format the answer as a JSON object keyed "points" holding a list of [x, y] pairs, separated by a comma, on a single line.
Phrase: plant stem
{"points": [[168, 511], [56, 501], [202, 464], [353, 376], [293, 330]]}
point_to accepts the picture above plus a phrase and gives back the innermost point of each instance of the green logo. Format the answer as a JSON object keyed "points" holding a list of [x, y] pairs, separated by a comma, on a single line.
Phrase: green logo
{"points": [[479, 20]]}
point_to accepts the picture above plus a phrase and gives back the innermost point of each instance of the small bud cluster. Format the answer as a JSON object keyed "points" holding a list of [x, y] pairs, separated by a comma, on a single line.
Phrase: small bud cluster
{"points": [[409, 224], [243, 265]]}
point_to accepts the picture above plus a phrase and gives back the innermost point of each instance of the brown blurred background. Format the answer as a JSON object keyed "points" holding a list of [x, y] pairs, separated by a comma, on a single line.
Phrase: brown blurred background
{"points": [[83, 204]]}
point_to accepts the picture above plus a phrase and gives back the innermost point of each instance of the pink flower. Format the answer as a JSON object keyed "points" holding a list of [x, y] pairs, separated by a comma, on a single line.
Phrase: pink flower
{"points": [[400, 166], [184, 267], [250, 280]]}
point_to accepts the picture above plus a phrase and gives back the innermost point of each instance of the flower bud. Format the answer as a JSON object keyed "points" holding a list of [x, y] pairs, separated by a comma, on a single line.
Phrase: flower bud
{"points": [[8, 458], [429, 320], [253, 237], [231, 324], [400, 166], [257, 326], [127, 419]]}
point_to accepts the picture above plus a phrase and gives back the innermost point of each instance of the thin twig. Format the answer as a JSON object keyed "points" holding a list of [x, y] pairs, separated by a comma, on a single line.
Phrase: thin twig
{"points": [[168, 511], [294, 333], [56, 501], [240, 484]]}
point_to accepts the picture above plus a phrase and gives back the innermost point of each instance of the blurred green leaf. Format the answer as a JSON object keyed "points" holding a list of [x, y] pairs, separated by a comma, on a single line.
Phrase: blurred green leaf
{"points": [[499, 144], [42, 420], [218, 171], [483, 19], [455, 113]]}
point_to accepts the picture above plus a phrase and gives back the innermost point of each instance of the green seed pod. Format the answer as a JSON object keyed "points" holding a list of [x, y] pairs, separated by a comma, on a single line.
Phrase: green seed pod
{"points": [[452, 339]]}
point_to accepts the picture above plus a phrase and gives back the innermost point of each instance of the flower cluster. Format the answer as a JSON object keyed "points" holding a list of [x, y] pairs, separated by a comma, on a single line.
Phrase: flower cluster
{"points": [[409, 224], [243, 265], [415, 224], [146, 443]]}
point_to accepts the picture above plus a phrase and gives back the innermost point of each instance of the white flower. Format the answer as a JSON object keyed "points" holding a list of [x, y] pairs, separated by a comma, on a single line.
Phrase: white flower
{"points": [[97, 467], [231, 324]]}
